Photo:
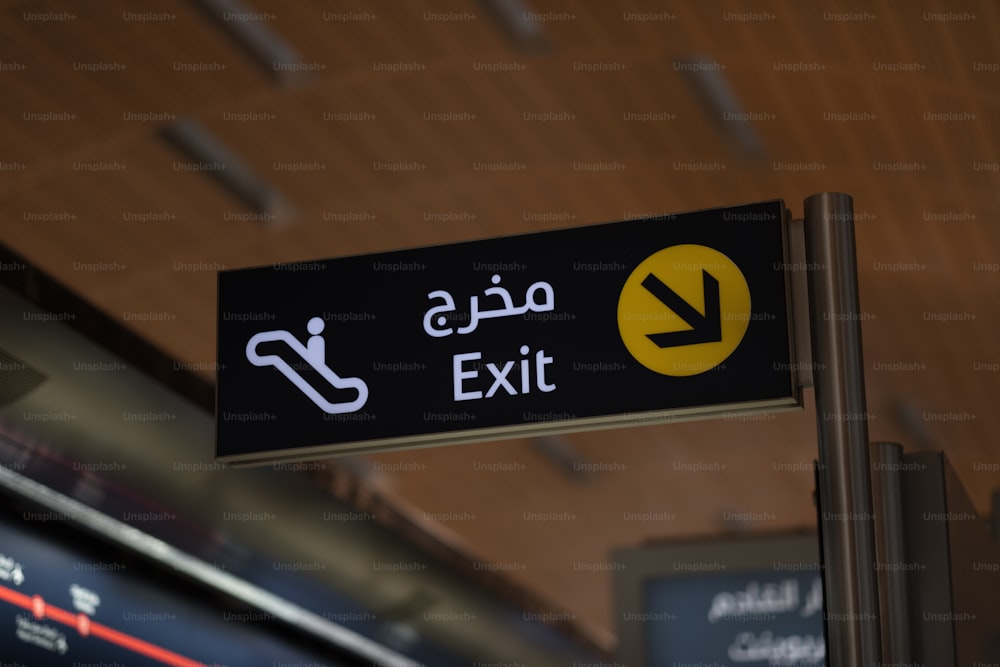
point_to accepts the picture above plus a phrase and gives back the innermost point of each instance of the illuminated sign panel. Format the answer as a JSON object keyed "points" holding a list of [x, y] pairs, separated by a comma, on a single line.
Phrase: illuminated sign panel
{"points": [[673, 317], [753, 601], [763, 618]]}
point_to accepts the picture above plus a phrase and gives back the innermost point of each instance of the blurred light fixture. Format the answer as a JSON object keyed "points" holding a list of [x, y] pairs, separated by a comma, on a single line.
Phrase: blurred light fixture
{"points": [[561, 453], [713, 92], [520, 22], [247, 27], [213, 157]]}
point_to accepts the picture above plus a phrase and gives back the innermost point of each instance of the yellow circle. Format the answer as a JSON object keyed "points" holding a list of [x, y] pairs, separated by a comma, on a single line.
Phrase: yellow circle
{"points": [[669, 317]]}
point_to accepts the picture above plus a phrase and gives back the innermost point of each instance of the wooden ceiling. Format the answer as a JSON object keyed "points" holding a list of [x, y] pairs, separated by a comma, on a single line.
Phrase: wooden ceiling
{"points": [[896, 104]]}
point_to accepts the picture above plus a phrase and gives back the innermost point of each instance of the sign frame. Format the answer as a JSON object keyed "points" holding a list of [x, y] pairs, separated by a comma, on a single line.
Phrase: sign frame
{"points": [[443, 437]]}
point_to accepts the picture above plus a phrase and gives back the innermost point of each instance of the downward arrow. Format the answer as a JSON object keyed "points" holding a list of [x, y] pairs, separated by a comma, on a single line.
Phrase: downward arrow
{"points": [[705, 328]]}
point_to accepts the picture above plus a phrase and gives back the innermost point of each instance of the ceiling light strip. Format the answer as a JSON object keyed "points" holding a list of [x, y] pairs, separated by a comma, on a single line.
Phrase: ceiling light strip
{"points": [[213, 157], [248, 29], [721, 105]]}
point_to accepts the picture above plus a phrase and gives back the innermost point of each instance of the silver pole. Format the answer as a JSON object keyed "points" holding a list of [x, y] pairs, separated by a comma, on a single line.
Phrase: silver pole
{"points": [[845, 492], [890, 547]]}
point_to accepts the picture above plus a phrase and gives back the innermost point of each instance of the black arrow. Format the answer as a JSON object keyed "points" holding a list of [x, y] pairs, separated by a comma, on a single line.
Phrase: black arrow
{"points": [[705, 328]]}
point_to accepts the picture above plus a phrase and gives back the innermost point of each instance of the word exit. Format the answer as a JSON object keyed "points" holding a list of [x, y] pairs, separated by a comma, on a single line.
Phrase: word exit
{"points": [[500, 373]]}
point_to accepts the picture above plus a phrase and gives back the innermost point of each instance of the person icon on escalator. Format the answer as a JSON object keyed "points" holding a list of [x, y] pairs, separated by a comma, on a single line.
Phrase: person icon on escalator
{"points": [[316, 345]]}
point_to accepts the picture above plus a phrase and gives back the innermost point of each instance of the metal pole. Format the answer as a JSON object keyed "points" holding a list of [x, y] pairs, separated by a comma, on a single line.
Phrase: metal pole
{"points": [[890, 547], [845, 492]]}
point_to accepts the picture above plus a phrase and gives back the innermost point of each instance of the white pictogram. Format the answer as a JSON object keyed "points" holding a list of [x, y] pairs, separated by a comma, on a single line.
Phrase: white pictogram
{"points": [[10, 570], [314, 354]]}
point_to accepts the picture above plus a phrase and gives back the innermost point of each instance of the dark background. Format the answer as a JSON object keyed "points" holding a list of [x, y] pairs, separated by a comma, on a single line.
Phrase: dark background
{"points": [[384, 311]]}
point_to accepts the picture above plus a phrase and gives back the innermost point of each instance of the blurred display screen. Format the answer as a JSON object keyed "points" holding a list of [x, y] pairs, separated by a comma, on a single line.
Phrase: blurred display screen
{"points": [[753, 618], [67, 598]]}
